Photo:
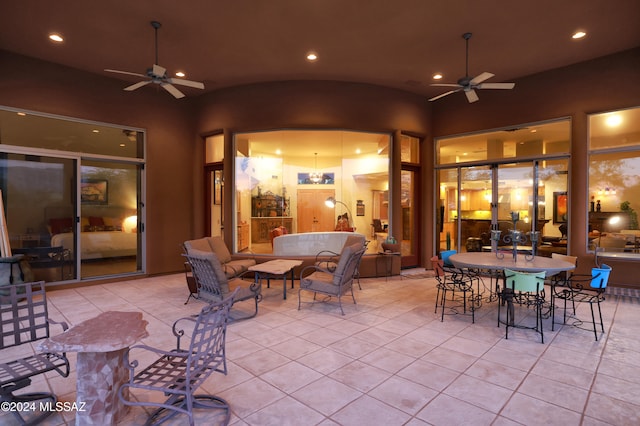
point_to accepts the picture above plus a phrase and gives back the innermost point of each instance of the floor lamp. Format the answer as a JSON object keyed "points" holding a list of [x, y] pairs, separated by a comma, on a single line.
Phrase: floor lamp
{"points": [[331, 202]]}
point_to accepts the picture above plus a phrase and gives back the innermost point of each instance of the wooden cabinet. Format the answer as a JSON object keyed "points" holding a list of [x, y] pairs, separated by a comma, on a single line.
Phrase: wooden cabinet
{"points": [[260, 227], [269, 205], [243, 236]]}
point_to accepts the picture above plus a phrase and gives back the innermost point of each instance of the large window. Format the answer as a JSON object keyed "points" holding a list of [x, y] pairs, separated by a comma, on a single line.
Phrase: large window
{"points": [[614, 181], [73, 191], [283, 178], [484, 177]]}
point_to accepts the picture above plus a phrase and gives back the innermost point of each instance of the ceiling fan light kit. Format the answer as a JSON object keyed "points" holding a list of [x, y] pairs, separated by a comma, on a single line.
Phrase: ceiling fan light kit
{"points": [[158, 75], [470, 85]]}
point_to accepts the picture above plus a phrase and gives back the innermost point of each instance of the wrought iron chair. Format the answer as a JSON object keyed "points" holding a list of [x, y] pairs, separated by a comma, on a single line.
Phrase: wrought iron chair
{"points": [[179, 373], [559, 281], [332, 283], [213, 285], [451, 279], [525, 289], [584, 289], [23, 321], [328, 259]]}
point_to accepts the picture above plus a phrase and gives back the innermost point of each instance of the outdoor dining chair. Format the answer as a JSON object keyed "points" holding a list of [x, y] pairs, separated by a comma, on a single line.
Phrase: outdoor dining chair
{"points": [[583, 288], [524, 289]]}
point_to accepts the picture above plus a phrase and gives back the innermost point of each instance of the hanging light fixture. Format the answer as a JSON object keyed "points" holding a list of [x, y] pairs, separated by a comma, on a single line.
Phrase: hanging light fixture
{"points": [[315, 176]]}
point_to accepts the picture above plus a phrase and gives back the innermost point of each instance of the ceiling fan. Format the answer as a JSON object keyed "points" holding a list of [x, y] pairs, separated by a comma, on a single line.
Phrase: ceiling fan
{"points": [[158, 75], [469, 85]]}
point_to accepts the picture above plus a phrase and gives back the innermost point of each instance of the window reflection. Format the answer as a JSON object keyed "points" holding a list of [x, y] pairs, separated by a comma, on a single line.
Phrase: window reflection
{"points": [[283, 179], [614, 183]]}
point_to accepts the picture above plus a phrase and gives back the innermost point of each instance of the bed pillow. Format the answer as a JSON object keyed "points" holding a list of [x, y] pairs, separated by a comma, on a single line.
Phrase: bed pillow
{"points": [[84, 222], [112, 224], [60, 225], [96, 221]]}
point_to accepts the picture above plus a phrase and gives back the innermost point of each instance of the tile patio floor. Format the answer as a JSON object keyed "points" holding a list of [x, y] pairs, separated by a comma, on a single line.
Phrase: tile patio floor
{"points": [[388, 361]]}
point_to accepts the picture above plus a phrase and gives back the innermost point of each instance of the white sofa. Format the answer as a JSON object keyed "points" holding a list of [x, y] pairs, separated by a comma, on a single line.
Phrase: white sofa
{"points": [[310, 243]]}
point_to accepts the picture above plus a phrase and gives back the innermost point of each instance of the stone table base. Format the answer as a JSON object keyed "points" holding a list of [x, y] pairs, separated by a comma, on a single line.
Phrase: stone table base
{"points": [[99, 376]]}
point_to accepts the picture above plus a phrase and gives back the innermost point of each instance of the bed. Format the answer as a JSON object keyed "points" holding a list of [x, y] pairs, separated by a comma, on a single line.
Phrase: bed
{"points": [[101, 237], [99, 244]]}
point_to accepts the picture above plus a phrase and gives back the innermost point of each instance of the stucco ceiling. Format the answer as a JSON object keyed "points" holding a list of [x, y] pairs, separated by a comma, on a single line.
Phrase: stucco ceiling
{"points": [[398, 44]]}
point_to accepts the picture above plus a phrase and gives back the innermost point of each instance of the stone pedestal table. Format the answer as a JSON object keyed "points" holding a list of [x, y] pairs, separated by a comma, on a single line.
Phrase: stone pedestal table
{"points": [[101, 343]]}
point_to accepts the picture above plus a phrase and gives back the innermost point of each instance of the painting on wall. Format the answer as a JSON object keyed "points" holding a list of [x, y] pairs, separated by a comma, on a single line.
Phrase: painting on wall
{"points": [[560, 210], [94, 191]]}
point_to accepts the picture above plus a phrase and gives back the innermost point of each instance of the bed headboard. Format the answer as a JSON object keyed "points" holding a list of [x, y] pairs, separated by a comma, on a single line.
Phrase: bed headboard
{"points": [[59, 219]]}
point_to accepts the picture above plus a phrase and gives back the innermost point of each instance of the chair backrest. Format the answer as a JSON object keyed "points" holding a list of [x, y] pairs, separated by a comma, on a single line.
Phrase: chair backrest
{"points": [[377, 226], [201, 244], [23, 314], [600, 277], [437, 264], [207, 346], [210, 278], [524, 281], [348, 263], [219, 248], [445, 255], [354, 239]]}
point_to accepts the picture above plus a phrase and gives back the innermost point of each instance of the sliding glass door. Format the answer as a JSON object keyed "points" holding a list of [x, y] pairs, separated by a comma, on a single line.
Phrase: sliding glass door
{"points": [[35, 188], [73, 195]]}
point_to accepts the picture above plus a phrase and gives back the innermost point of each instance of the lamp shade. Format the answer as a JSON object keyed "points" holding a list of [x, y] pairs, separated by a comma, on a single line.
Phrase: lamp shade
{"points": [[330, 202]]}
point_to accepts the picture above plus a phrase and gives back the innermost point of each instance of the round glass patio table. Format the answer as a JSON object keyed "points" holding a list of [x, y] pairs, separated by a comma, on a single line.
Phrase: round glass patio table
{"points": [[483, 260]]}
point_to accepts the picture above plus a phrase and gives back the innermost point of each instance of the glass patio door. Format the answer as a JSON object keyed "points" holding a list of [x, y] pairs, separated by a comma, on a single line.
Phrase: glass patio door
{"points": [[517, 193], [39, 200]]}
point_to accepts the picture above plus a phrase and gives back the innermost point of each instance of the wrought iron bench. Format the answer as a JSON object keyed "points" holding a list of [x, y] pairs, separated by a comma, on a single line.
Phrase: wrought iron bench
{"points": [[24, 320]]}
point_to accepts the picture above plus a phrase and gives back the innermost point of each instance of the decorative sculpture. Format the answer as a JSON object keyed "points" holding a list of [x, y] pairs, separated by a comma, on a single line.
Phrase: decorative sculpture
{"points": [[515, 237]]}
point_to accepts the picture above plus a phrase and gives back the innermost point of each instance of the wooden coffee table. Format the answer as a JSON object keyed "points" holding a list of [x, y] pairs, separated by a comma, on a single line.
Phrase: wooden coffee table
{"points": [[276, 268]]}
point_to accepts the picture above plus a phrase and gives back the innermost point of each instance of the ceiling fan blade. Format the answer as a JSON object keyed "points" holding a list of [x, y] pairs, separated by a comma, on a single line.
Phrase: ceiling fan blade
{"points": [[445, 85], [472, 96], [171, 89], [480, 78], [158, 70], [137, 85], [189, 83], [435, 98], [497, 86], [126, 72]]}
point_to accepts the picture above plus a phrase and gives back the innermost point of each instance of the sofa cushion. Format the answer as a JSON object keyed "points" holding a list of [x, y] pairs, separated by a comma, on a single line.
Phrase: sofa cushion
{"points": [[200, 244], [238, 266], [219, 248]]}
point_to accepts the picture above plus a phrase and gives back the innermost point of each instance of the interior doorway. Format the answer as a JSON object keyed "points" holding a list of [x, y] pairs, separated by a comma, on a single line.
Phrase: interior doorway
{"points": [[313, 214]]}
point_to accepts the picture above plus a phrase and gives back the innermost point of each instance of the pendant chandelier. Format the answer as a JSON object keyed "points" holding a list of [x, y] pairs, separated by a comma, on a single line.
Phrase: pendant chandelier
{"points": [[315, 176]]}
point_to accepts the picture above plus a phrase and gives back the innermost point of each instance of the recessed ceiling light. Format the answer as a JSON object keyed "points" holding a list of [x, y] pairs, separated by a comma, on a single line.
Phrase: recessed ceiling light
{"points": [[21, 114], [122, 145], [56, 37], [358, 151], [578, 35], [180, 74], [278, 152], [437, 76], [96, 131], [312, 56]]}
